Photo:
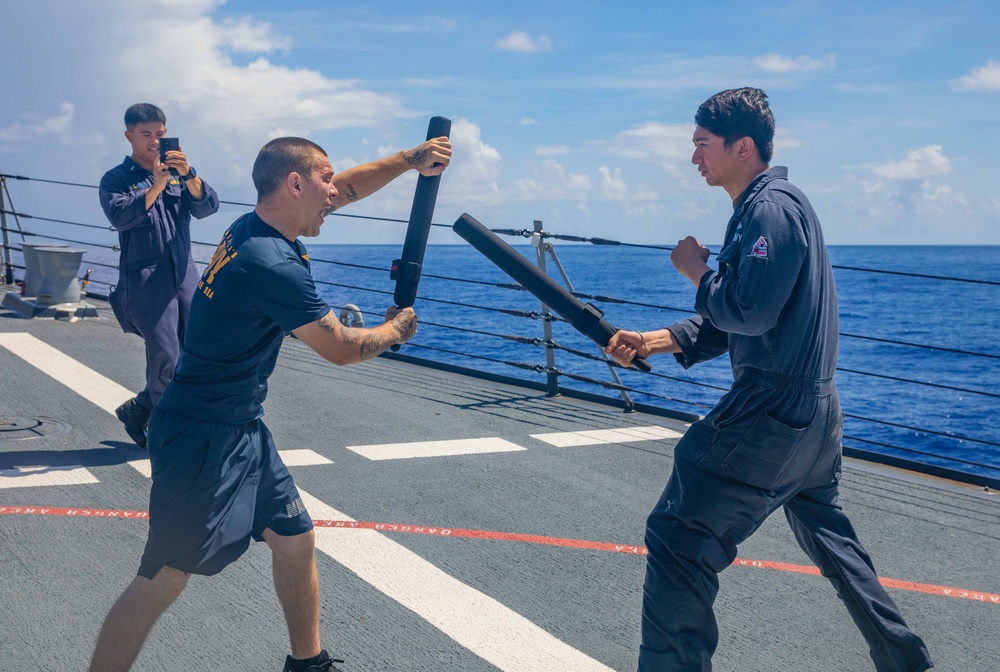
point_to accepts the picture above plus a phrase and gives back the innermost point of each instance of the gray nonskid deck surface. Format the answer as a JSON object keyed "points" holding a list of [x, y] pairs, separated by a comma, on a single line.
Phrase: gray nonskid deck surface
{"points": [[60, 574]]}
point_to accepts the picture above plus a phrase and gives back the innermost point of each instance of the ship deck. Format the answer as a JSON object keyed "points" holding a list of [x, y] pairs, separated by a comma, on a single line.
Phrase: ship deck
{"points": [[465, 525]]}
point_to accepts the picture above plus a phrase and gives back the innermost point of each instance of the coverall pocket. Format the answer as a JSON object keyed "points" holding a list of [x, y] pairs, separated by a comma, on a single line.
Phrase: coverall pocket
{"points": [[752, 271], [116, 299], [763, 453]]}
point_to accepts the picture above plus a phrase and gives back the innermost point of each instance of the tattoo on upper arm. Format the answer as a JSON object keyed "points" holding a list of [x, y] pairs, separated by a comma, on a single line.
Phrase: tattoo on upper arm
{"points": [[415, 157], [351, 194], [328, 322]]}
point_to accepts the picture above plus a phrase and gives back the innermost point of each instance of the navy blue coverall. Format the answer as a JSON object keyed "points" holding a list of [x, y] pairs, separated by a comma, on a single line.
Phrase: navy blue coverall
{"points": [[156, 273], [772, 441]]}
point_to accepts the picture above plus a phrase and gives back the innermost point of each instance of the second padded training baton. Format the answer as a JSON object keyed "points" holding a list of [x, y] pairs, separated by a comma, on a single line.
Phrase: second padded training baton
{"points": [[588, 319], [406, 270]]}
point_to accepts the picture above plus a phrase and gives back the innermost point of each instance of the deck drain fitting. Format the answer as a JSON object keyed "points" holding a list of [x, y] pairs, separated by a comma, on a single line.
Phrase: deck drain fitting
{"points": [[20, 427]]}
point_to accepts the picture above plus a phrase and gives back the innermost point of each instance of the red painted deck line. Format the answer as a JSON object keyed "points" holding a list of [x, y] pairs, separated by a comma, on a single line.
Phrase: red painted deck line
{"points": [[944, 591]]}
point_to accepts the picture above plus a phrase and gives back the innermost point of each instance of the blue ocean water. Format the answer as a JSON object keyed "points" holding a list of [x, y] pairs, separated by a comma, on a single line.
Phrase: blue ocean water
{"points": [[942, 418], [939, 313]]}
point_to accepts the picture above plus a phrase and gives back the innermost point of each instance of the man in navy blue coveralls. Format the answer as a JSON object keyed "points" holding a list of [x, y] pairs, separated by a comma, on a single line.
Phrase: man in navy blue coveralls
{"points": [[150, 204], [774, 439], [218, 480]]}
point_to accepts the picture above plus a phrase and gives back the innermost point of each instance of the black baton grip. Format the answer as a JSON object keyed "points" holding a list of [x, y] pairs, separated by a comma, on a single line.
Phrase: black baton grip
{"points": [[406, 270], [587, 319]]}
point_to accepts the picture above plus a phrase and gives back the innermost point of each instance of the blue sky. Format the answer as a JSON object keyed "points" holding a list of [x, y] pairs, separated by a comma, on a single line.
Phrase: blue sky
{"points": [[575, 113]]}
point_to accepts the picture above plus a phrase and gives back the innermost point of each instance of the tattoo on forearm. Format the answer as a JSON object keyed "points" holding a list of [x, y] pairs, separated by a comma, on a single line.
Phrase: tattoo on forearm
{"points": [[351, 194], [415, 157], [371, 343]]}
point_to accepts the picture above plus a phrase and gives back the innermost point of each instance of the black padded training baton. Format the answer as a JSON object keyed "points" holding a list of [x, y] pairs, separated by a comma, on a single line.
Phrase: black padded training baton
{"points": [[406, 270], [588, 319]]}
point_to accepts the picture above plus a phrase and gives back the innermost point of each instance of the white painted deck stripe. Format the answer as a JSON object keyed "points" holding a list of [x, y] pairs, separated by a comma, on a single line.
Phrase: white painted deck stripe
{"points": [[33, 477], [86, 382], [144, 467], [402, 451], [89, 384], [510, 641], [103, 392], [291, 458], [302, 457], [601, 436], [478, 622]]}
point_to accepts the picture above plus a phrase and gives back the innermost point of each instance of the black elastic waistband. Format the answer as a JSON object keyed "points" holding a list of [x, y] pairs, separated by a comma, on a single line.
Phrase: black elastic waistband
{"points": [[782, 381]]}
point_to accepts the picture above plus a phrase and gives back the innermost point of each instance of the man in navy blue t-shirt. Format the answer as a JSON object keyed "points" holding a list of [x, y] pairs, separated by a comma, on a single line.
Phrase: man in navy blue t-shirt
{"points": [[256, 289]]}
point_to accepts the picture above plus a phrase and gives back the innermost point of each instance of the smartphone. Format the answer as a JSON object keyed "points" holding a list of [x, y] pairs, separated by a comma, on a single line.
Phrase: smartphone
{"points": [[168, 145]]}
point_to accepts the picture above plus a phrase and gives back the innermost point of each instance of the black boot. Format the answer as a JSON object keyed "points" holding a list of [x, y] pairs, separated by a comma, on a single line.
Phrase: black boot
{"points": [[322, 663], [135, 418]]}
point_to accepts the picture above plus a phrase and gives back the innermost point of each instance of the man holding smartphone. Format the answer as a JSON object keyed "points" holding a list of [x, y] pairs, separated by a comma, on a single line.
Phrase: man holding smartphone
{"points": [[150, 199]]}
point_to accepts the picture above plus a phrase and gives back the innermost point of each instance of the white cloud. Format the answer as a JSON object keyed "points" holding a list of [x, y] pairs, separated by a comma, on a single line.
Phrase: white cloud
{"points": [[693, 210], [613, 187], [668, 145], [223, 91], [527, 121], [943, 194], [474, 174], [471, 180], [917, 165], [260, 97], [785, 139], [553, 183], [520, 41], [639, 202], [986, 77], [223, 110], [33, 129], [551, 150], [786, 64], [246, 35], [907, 207]]}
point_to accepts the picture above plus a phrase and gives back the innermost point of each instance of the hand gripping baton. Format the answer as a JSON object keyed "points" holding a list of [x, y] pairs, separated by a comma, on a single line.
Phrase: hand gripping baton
{"points": [[588, 319], [406, 270]]}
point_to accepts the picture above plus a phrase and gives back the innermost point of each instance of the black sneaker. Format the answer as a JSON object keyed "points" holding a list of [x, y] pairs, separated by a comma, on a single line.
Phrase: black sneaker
{"points": [[135, 418], [324, 664]]}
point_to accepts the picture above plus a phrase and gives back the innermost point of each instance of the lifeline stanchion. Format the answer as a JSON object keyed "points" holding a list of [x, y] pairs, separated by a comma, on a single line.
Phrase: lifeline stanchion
{"points": [[8, 264], [551, 377], [587, 319], [550, 248]]}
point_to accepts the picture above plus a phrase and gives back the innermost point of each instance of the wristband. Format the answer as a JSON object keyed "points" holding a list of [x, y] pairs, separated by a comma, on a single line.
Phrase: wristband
{"points": [[645, 347]]}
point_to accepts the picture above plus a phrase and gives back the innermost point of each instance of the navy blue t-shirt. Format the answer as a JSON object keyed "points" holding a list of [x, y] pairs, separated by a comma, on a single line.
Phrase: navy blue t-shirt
{"points": [[256, 288]]}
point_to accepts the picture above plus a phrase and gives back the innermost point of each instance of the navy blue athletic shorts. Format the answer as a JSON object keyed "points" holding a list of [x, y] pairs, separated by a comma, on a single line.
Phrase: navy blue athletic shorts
{"points": [[215, 486]]}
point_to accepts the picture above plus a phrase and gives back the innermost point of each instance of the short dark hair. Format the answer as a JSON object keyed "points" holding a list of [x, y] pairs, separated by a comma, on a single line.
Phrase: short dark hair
{"points": [[278, 159], [142, 113], [739, 113]]}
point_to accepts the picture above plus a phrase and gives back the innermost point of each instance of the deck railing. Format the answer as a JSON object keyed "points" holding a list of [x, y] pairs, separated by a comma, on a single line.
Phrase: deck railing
{"points": [[569, 368]]}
